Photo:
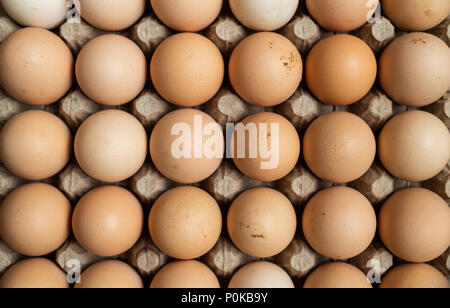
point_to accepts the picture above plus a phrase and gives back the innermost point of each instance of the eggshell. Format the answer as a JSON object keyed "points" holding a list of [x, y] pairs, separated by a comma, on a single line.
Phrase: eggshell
{"points": [[415, 69], [110, 274], [111, 145], [416, 15], [261, 222], [341, 70], [264, 15], [46, 14], [265, 69], [182, 169], [187, 69], [108, 221], [414, 276], [284, 156], [185, 275], [24, 56], [339, 147], [35, 219], [187, 16], [112, 15], [35, 145], [261, 275], [341, 15], [111, 70], [414, 146], [339, 223], [185, 222], [337, 276], [34, 274], [414, 224]]}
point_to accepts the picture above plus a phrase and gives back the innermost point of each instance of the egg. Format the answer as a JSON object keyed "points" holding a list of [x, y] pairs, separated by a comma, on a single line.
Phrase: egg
{"points": [[34, 274], [342, 15], [339, 223], [35, 219], [261, 275], [339, 147], [414, 146], [265, 69], [187, 69], [261, 222], [340, 70], [264, 15], [275, 145], [46, 14], [24, 56], [185, 222], [111, 70], [414, 224], [111, 145], [35, 145], [185, 275], [108, 221], [112, 15], [187, 16], [187, 146], [110, 274], [337, 275], [414, 70], [416, 15], [414, 276]]}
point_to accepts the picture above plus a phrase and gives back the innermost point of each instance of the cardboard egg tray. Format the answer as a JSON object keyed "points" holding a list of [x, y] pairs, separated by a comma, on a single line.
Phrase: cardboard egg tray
{"points": [[301, 109]]}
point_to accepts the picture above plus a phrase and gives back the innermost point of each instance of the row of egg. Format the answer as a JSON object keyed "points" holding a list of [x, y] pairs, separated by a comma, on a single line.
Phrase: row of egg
{"points": [[187, 146], [187, 69], [186, 222], [258, 15], [42, 273]]}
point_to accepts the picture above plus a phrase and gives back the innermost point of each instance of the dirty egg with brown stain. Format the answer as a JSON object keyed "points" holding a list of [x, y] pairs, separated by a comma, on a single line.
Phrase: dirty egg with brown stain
{"points": [[265, 69]]}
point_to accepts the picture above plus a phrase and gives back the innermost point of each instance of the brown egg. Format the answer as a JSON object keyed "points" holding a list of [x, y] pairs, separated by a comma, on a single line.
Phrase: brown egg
{"points": [[112, 15], [339, 223], [265, 69], [111, 70], [339, 147], [36, 66], [110, 274], [185, 222], [261, 275], [272, 159], [35, 145], [187, 16], [108, 221], [340, 70], [261, 222], [35, 219], [187, 69], [414, 276], [34, 274], [415, 69], [414, 224], [187, 146], [337, 276], [111, 145], [416, 15], [414, 146], [185, 275], [341, 15]]}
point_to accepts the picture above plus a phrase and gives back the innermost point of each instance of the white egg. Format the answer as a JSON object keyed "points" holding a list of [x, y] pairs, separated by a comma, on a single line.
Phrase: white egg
{"points": [[264, 15], [46, 14]]}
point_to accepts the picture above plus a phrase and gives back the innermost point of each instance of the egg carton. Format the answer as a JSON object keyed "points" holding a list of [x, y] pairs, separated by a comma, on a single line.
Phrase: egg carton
{"points": [[227, 182]]}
